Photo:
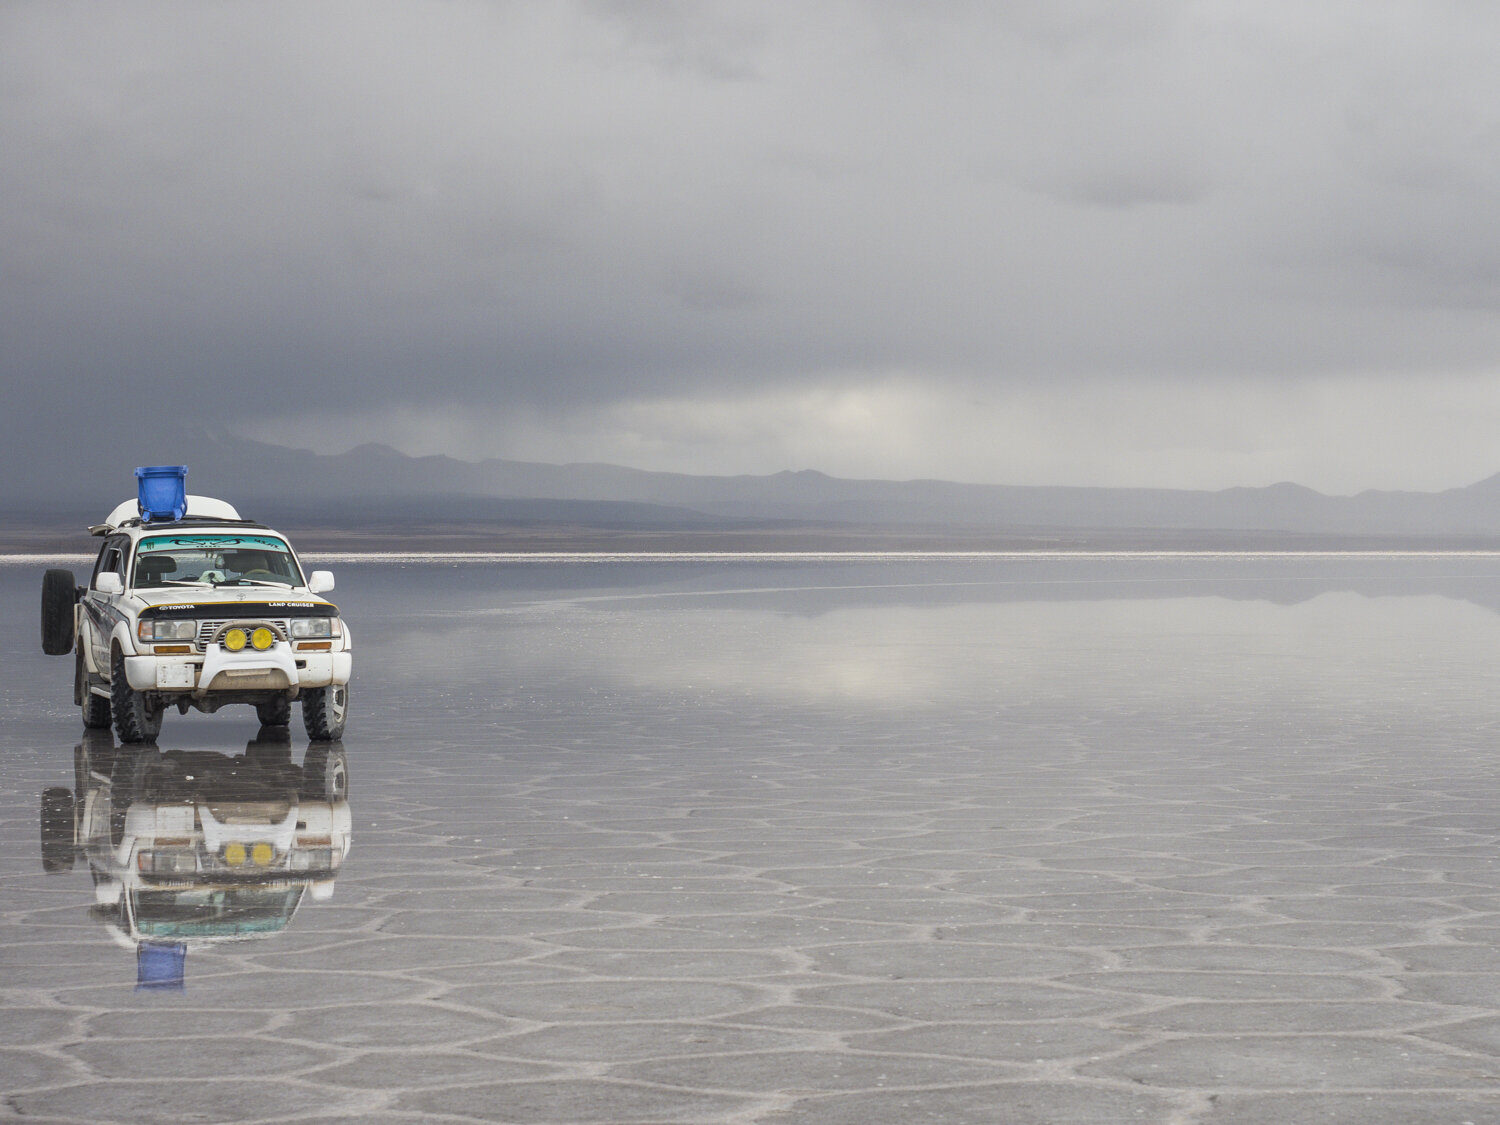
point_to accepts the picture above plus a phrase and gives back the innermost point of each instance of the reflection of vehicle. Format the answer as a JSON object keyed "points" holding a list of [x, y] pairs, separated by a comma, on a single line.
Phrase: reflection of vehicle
{"points": [[191, 847], [197, 609]]}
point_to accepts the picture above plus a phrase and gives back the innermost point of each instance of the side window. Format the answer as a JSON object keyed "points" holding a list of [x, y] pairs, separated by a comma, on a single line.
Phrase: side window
{"points": [[99, 564], [111, 559]]}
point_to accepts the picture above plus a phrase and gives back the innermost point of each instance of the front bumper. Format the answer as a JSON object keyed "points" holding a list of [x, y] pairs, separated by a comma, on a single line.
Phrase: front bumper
{"points": [[279, 668]]}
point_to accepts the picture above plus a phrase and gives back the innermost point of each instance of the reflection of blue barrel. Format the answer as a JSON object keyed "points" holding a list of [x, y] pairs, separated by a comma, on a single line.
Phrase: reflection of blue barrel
{"points": [[159, 966], [162, 491]]}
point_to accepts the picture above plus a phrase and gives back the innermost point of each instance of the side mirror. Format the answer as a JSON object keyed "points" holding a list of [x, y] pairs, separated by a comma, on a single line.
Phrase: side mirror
{"points": [[320, 581], [109, 583]]}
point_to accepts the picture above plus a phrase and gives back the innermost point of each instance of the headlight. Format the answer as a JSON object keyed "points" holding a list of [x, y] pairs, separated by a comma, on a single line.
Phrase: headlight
{"points": [[262, 639], [236, 639], [315, 627], [312, 859], [162, 629], [167, 861]]}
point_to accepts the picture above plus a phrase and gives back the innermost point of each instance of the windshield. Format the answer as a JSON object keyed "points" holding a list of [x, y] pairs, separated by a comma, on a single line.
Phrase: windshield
{"points": [[215, 560], [214, 911]]}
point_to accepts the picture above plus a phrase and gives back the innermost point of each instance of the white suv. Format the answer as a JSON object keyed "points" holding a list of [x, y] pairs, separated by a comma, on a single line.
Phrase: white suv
{"points": [[199, 611]]}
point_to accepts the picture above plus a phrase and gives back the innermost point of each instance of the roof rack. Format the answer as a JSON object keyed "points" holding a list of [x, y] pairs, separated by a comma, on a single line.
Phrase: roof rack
{"points": [[135, 521], [199, 508]]}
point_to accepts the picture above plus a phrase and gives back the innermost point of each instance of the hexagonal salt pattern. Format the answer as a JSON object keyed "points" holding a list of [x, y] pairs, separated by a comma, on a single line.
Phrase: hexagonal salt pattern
{"points": [[1187, 842]]}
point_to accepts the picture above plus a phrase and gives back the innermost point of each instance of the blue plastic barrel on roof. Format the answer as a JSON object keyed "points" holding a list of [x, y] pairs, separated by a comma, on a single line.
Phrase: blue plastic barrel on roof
{"points": [[162, 492]]}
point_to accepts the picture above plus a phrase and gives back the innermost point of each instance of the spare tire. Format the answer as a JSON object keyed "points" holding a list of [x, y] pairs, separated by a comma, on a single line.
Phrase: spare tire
{"points": [[59, 596], [57, 831]]}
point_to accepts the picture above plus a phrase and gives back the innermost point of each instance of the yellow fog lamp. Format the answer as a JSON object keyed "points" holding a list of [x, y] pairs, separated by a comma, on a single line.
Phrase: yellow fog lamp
{"points": [[234, 854], [262, 639], [235, 640], [260, 854]]}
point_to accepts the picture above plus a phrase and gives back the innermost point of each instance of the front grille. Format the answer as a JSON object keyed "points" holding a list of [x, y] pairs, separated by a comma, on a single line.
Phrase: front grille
{"points": [[208, 630]]}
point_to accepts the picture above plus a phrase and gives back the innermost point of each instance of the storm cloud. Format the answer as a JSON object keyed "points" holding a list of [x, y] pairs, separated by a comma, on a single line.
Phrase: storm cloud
{"points": [[1037, 241]]}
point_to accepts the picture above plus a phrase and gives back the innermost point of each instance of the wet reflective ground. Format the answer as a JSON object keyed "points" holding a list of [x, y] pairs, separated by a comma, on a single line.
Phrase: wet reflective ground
{"points": [[1097, 840]]}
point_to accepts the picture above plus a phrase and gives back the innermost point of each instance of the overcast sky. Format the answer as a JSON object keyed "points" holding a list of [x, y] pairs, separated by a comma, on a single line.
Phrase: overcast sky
{"points": [[1020, 241]]}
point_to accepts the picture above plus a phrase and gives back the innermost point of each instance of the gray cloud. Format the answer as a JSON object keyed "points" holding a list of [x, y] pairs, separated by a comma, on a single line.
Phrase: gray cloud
{"points": [[608, 217]]}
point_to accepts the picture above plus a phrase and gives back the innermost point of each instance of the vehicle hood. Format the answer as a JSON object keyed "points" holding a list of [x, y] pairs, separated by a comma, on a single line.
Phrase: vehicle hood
{"points": [[252, 598]]}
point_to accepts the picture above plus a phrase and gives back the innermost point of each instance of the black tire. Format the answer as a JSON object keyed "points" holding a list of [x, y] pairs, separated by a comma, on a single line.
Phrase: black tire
{"points": [[324, 712], [325, 773], [136, 719], [276, 713], [95, 708], [57, 831], [59, 596]]}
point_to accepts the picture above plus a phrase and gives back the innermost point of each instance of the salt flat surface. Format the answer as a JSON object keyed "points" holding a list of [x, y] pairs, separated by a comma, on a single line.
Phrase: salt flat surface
{"points": [[1175, 839]]}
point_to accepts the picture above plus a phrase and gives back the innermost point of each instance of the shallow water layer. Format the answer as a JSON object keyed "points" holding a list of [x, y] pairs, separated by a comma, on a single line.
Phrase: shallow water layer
{"points": [[1085, 840]]}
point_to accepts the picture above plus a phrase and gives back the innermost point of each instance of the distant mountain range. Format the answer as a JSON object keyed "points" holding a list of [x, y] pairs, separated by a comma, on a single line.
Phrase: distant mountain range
{"points": [[374, 484]]}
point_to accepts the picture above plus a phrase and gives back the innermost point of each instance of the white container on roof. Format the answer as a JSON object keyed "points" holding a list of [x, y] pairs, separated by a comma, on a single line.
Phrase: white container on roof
{"points": [[200, 507]]}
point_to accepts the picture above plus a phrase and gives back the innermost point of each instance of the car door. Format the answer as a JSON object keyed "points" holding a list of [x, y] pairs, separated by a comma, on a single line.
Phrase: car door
{"points": [[99, 610]]}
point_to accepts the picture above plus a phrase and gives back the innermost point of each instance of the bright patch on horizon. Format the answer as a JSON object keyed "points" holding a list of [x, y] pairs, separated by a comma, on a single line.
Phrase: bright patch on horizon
{"points": [[1336, 435]]}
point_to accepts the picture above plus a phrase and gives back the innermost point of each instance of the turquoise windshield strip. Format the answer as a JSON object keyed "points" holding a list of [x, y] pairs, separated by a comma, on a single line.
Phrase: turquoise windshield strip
{"points": [[209, 542], [213, 929]]}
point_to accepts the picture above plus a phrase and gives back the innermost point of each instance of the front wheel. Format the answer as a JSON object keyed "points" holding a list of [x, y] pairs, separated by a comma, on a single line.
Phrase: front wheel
{"points": [[324, 711], [136, 719]]}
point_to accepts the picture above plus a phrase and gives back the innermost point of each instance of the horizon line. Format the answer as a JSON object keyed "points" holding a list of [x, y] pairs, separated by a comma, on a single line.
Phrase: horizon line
{"points": [[18, 558]]}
